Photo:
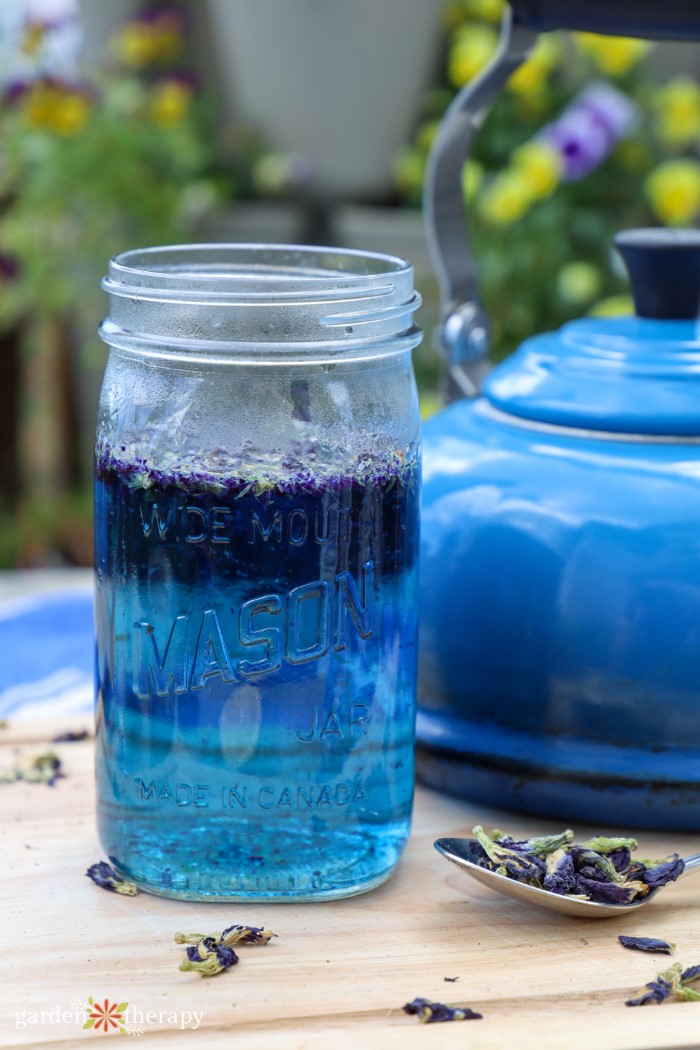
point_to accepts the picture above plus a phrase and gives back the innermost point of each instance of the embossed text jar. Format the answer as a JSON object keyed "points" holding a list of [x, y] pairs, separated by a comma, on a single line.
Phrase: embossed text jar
{"points": [[257, 483]]}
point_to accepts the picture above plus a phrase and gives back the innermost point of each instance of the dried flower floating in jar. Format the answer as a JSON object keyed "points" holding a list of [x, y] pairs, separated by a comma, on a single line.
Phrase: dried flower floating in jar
{"points": [[600, 869]]}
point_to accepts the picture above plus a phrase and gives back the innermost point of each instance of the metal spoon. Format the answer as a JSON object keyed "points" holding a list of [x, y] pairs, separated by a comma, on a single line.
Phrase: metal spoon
{"points": [[461, 852]]}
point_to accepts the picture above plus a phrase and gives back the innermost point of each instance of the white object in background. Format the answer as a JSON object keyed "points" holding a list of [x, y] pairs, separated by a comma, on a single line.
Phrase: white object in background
{"points": [[338, 81], [57, 54]]}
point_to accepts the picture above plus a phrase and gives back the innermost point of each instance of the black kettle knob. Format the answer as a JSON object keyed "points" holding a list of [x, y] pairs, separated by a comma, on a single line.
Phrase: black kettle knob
{"points": [[664, 268]]}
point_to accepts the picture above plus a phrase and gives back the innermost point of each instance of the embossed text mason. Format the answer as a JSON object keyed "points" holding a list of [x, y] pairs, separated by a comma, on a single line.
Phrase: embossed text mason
{"points": [[256, 501]]}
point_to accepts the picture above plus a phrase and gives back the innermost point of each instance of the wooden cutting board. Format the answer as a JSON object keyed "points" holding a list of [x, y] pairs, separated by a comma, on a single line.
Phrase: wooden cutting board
{"points": [[337, 974]]}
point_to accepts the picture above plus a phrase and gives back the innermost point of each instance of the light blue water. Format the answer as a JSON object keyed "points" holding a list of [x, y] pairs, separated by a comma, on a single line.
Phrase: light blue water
{"points": [[256, 682]]}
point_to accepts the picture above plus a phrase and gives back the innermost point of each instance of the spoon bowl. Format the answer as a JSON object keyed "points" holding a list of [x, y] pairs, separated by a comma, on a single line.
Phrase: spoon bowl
{"points": [[462, 852]]}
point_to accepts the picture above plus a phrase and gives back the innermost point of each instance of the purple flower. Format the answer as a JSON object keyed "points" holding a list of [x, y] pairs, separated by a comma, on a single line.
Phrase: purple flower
{"points": [[589, 129], [9, 267]]}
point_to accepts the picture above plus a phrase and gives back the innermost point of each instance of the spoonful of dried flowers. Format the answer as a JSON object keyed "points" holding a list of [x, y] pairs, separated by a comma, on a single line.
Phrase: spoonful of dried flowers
{"points": [[595, 879]]}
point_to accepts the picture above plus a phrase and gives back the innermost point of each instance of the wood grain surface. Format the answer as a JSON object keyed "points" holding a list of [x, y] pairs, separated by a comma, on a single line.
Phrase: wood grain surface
{"points": [[338, 973]]}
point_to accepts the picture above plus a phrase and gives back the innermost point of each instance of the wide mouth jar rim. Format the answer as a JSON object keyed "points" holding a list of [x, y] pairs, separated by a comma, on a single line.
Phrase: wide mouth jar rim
{"points": [[261, 302], [236, 272]]}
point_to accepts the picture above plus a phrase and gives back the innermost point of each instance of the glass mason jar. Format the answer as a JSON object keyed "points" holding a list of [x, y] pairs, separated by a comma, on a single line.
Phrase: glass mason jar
{"points": [[256, 510]]}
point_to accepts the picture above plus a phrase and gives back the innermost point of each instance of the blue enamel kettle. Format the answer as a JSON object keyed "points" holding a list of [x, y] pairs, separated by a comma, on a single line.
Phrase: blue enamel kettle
{"points": [[560, 564]]}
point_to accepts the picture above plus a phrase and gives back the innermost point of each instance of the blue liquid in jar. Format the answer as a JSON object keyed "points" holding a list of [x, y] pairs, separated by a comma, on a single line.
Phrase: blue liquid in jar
{"points": [[256, 665]]}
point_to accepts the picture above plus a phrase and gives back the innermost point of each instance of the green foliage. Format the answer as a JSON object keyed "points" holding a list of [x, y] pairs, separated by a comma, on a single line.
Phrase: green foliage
{"points": [[543, 241], [86, 172]]}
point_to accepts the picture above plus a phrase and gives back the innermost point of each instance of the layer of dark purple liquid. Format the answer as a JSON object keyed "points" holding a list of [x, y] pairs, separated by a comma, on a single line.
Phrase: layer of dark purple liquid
{"points": [[256, 673]]}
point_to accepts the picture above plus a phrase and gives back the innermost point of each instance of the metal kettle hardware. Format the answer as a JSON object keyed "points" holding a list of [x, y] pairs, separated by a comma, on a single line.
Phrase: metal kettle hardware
{"points": [[463, 335]]}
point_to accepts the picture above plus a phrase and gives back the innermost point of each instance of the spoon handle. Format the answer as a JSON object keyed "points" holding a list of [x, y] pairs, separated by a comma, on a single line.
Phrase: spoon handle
{"points": [[693, 861]]}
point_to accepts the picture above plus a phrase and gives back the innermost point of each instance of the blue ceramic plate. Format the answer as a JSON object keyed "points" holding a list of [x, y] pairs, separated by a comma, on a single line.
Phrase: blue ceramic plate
{"points": [[47, 667]]}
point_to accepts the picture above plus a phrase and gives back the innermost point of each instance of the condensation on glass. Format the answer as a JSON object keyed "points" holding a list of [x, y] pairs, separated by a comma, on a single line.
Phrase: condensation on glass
{"points": [[256, 502]]}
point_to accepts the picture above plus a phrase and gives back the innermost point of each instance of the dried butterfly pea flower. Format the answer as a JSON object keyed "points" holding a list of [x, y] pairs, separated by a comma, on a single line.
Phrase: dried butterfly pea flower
{"points": [[42, 769], [71, 736], [561, 876], [606, 845], [679, 985], [429, 1012], [647, 944], [599, 869], [663, 872], [106, 877], [620, 859], [525, 867], [210, 954], [246, 935], [656, 992], [606, 892], [672, 982], [542, 845]]}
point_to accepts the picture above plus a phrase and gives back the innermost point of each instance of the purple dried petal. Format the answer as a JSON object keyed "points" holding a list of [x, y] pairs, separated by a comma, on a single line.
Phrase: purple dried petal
{"points": [[657, 992], [646, 944], [620, 859], [430, 1013], [71, 737], [226, 956], [663, 873], [588, 872], [691, 974], [560, 877], [246, 934], [102, 875], [605, 892]]}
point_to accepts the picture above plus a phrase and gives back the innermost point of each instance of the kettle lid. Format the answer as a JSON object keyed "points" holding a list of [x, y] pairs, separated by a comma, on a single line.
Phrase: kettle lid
{"points": [[635, 375]]}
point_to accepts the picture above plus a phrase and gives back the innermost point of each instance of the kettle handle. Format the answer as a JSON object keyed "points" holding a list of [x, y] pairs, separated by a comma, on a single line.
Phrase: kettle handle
{"points": [[463, 334]]}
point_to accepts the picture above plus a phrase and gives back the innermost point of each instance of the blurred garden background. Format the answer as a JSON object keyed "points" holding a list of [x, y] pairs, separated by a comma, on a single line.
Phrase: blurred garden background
{"points": [[124, 125]]}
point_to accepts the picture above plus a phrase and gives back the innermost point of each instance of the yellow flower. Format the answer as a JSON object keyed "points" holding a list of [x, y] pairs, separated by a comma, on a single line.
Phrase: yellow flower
{"points": [[673, 190], [170, 102], [472, 177], [531, 78], [613, 306], [473, 48], [430, 403], [55, 108], [578, 282], [613, 55], [507, 198], [542, 166], [678, 112], [166, 30], [141, 42], [457, 11], [489, 10], [134, 45]]}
